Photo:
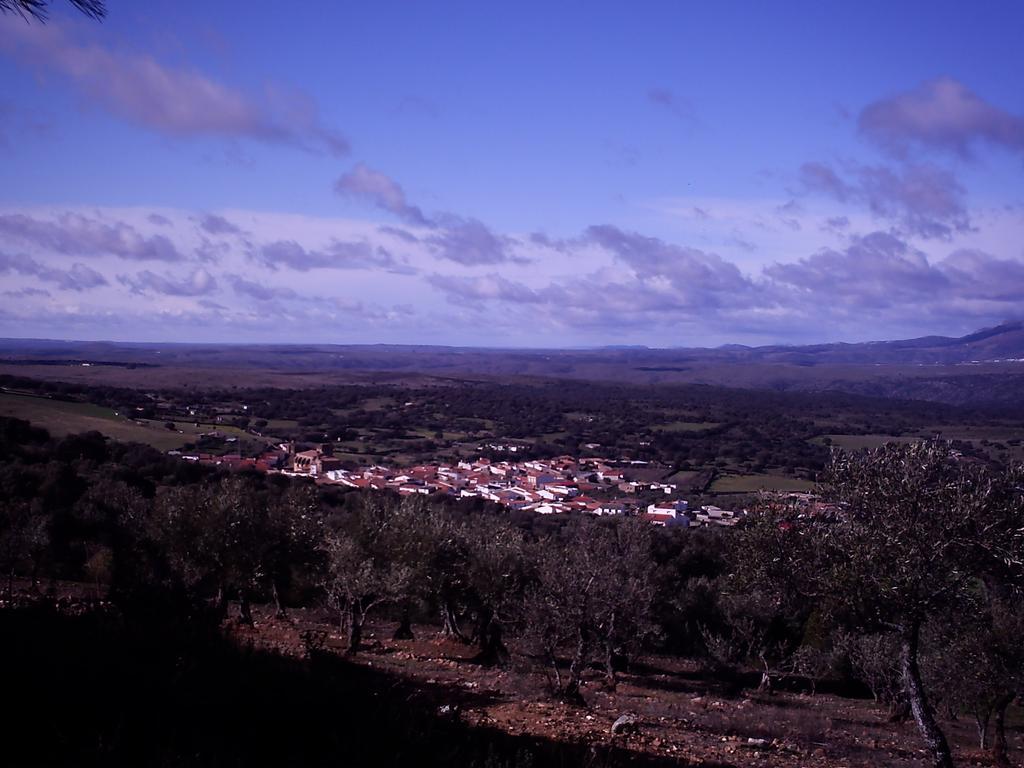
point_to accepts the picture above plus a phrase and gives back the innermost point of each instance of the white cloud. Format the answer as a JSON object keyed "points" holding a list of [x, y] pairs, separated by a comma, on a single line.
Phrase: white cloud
{"points": [[355, 281]]}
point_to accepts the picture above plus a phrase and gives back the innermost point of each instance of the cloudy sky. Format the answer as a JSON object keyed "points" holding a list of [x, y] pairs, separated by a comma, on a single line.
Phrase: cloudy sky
{"points": [[521, 174]]}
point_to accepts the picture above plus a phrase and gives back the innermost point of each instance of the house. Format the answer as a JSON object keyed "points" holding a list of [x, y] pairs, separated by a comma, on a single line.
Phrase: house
{"points": [[538, 479], [712, 515], [550, 508], [615, 507], [315, 462], [668, 507], [671, 519]]}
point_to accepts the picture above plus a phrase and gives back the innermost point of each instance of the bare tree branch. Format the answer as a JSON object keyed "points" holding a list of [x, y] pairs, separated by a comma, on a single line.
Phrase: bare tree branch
{"points": [[39, 10]]}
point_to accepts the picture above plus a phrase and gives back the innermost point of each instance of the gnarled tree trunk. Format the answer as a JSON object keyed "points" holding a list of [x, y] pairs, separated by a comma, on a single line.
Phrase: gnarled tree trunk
{"points": [[356, 616], [450, 622], [220, 603], [1000, 752], [244, 608], [489, 639], [933, 736], [765, 686], [553, 661], [571, 692], [611, 681], [279, 611], [404, 630], [609, 655], [981, 723]]}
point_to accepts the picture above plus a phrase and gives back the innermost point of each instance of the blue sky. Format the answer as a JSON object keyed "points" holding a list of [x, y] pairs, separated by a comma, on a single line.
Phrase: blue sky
{"points": [[526, 175]]}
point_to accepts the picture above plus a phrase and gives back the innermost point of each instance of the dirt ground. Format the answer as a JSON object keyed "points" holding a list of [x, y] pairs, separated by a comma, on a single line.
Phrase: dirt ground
{"points": [[681, 714]]}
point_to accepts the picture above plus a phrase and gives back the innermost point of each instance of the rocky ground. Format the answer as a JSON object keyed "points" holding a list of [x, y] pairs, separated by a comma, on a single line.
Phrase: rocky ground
{"points": [[681, 716]]}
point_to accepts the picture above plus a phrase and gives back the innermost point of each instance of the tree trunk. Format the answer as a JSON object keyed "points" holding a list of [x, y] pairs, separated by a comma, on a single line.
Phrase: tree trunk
{"points": [[981, 722], [934, 739], [553, 661], [609, 665], [899, 710], [1000, 752], [450, 622], [765, 686], [579, 660], [483, 620], [609, 654], [244, 608], [222, 604], [355, 628], [279, 611], [492, 647], [404, 631]]}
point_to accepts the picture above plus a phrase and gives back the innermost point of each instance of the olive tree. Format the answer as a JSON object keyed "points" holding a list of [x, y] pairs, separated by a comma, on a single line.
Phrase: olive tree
{"points": [[367, 563], [494, 574], [592, 597], [24, 537], [236, 537], [910, 530], [976, 665]]}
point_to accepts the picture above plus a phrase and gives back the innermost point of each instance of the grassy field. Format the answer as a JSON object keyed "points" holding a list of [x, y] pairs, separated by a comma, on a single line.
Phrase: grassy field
{"points": [[275, 426], [860, 442], [754, 483], [428, 434], [975, 432], [683, 478], [377, 404], [62, 418], [990, 440], [685, 426]]}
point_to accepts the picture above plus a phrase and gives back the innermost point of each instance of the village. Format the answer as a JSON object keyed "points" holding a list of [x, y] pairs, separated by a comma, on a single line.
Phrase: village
{"points": [[560, 485]]}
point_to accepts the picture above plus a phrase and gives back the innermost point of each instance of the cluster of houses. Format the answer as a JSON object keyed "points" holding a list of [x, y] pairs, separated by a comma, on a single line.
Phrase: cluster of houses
{"points": [[553, 486], [560, 485]]}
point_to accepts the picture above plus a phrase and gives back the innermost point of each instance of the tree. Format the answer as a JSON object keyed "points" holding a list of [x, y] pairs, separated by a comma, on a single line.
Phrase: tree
{"points": [[235, 537], [1003, 645], [494, 577], [39, 10], [24, 538], [363, 568], [911, 529], [757, 626], [874, 660], [293, 536], [977, 665], [593, 596], [625, 603]]}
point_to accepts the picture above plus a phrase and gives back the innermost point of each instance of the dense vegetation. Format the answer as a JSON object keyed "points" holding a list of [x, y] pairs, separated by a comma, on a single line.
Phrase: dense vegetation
{"points": [[909, 584], [677, 428]]}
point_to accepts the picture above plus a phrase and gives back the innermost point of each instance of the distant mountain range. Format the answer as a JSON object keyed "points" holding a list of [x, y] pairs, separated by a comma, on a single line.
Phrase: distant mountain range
{"points": [[1004, 342], [985, 367]]}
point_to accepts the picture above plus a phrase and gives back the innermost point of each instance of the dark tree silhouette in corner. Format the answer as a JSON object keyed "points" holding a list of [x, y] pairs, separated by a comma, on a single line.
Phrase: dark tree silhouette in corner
{"points": [[39, 10]]}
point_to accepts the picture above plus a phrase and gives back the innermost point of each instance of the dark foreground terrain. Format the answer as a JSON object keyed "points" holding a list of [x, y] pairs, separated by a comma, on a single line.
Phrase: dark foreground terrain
{"points": [[86, 687]]}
